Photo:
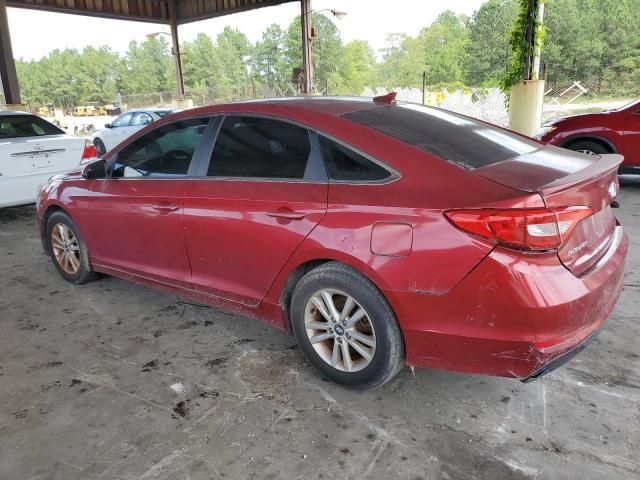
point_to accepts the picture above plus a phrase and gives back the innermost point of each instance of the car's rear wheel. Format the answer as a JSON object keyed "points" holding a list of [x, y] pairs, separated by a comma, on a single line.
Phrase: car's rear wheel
{"points": [[588, 147], [101, 149], [346, 328], [68, 250]]}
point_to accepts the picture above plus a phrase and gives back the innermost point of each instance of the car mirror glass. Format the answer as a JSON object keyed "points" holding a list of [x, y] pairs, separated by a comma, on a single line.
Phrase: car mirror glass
{"points": [[95, 170]]}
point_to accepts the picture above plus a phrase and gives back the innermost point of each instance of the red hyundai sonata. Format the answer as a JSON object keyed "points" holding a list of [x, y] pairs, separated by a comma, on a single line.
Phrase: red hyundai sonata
{"points": [[380, 233]]}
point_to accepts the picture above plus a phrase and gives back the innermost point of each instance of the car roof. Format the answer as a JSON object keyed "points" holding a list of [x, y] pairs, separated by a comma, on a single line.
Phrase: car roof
{"points": [[13, 112], [329, 105], [332, 106]]}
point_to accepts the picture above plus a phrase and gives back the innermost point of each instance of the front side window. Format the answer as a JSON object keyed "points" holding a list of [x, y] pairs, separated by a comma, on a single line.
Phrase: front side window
{"points": [[164, 152], [122, 121], [254, 147], [342, 163], [21, 126]]}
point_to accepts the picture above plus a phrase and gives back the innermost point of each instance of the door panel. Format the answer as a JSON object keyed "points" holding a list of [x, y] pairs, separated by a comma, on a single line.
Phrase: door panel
{"points": [[631, 140], [240, 233], [136, 226]]}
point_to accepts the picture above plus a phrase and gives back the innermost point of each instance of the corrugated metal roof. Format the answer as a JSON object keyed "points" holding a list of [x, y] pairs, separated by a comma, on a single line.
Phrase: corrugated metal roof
{"points": [[146, 10]]}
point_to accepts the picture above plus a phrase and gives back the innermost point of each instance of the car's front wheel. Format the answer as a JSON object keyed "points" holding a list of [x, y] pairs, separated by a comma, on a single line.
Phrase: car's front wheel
{"points": [[588, 147], [68, 250], [346, 327]]}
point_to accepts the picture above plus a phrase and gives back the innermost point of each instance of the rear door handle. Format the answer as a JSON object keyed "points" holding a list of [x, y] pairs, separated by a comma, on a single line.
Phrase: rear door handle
{"points": [[165, 207], [287, 214]]}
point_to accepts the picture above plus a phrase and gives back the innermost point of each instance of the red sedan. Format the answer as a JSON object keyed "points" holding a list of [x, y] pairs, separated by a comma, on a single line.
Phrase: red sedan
{"points": [[613, 131], [381, 233]]}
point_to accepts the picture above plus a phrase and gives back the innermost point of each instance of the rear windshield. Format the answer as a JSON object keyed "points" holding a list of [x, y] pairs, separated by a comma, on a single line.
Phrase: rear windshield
{"points": [[463, 141], [17, 126], [164, 113]]}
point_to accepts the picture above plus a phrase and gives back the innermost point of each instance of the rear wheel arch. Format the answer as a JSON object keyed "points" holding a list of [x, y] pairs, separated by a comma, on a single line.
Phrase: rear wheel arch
{"points": [[603, 142], [296, 274], [380, 324]]}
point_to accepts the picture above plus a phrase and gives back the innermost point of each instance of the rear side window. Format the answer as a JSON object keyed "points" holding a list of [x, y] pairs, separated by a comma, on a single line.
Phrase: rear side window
{"points": [[19, 126], [141, 119], [254, 147], [165, 151], [343, 163], [464, 141]]}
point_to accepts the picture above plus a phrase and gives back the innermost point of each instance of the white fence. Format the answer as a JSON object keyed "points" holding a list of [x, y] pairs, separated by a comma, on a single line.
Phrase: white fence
{"points": [[487, 104]]}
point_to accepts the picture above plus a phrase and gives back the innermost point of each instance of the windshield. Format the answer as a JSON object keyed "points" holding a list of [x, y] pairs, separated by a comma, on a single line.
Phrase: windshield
{"points": [[18, 126], [628, 105], [461, 140]]}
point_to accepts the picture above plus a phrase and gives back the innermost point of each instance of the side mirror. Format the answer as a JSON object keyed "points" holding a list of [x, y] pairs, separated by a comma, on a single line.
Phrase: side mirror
{"points": [[93, 170], [108, 125]]}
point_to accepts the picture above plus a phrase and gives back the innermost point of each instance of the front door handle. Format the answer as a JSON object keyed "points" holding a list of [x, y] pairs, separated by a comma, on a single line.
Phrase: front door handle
{"points": [[165, 207], [287, 214]]}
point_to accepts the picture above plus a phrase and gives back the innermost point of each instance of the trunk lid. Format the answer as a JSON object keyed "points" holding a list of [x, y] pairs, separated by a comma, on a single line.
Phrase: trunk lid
{"points": [[566, 179], [40, 155]]}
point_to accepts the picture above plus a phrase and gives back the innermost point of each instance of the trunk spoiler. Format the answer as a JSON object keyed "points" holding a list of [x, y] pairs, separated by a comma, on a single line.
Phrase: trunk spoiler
{"points": [[605, 165]]}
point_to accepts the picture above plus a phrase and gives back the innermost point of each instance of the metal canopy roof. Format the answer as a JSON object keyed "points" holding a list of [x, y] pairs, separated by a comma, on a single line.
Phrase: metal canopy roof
{"points": [[156, 11]]}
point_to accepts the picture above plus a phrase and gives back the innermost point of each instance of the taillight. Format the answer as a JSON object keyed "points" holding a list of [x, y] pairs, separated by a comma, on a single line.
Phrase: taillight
{"points": [[524, 229], [89, 153]]}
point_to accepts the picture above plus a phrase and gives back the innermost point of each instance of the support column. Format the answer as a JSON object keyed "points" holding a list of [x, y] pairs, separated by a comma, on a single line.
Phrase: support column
{"points": [[175, 47], [7, 64], [308, 86], [527, 97]]}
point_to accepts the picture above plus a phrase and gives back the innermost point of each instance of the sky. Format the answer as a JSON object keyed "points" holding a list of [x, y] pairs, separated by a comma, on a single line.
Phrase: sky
{"points": [[363, 21]]}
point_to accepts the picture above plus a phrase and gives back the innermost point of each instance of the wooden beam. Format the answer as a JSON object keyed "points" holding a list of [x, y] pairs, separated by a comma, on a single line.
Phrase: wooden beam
{"points": [[8, 74]]}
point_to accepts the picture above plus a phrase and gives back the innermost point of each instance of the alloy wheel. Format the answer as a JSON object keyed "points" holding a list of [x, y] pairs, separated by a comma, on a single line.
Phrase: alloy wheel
{"points": [[66, 248], [340, 330], [587, 152]]}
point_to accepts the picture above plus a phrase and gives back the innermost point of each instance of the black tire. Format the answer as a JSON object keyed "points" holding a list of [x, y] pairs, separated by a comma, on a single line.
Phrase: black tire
{"points": [[588, 147], [100, 147], [84, 271], [389, 356]]}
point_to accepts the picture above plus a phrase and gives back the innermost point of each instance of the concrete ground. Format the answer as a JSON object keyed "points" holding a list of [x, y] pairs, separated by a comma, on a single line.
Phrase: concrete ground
{"points": [[116, 381]]}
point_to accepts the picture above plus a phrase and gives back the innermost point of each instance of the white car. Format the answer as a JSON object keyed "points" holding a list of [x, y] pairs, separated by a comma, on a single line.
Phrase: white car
{"points": [[126, 125], [31, 151]]}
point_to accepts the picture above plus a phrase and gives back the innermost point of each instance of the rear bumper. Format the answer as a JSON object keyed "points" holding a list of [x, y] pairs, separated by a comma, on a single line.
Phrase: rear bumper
{"points": [[560, 360], [514, 315]]}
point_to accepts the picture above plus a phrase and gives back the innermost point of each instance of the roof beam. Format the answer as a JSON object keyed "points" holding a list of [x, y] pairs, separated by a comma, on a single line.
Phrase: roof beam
{"points": [[155, 11], [136, 10], [8, 75]]}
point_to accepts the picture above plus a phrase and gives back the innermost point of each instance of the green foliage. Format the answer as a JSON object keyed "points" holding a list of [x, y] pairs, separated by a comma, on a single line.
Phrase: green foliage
{"points": [[149, 67], [596, 41], [520, 48], [444, 44], [487, 49], [327, 48]]}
